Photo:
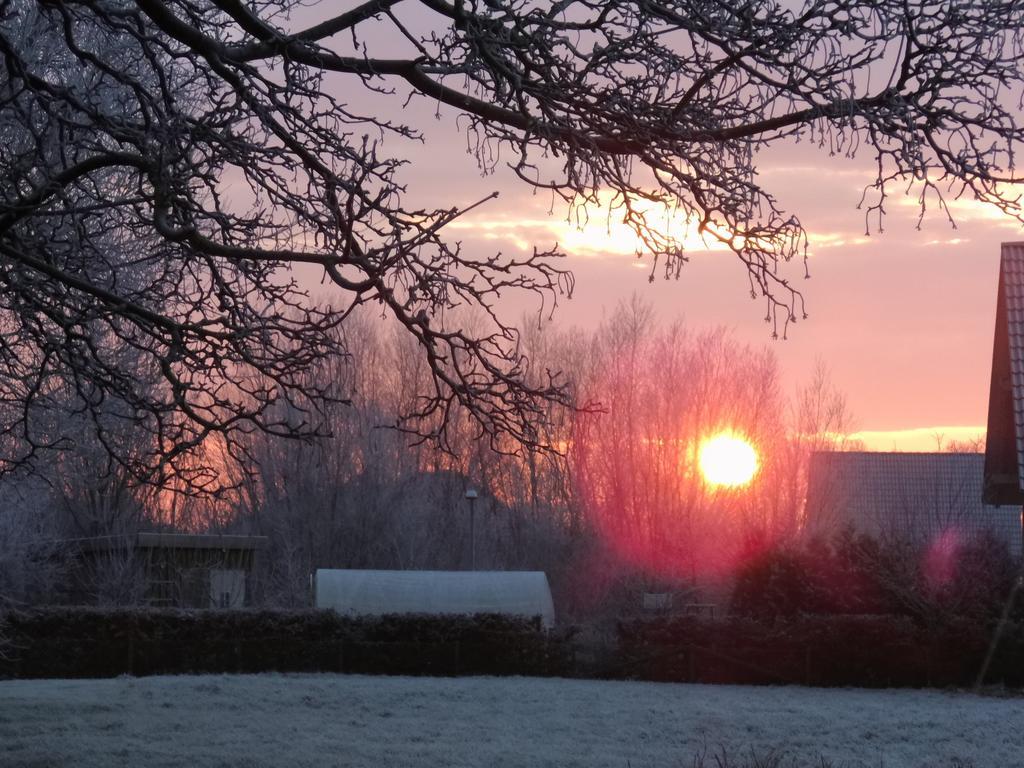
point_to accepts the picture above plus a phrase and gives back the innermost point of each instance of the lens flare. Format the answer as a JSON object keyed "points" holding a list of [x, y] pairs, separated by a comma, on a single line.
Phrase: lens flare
{"points": [[728, 460]]}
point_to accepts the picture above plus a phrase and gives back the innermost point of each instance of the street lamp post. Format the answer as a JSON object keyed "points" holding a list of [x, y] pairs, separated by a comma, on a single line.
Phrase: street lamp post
{"points": [[471, 495]]}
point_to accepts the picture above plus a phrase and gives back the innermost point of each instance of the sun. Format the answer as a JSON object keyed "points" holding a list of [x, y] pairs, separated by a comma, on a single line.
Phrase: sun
{"points": [[726, 459]]}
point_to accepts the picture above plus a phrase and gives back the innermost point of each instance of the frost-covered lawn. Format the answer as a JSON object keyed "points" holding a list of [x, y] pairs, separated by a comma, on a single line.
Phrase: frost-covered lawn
{"points": [[330, 720]]}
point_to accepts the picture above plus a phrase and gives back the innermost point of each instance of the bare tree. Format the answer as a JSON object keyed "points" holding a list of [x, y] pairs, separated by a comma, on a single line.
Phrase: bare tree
{"points": [[131, 130], [974, 444], [635, 468], [365, 498], [820, 420], [32, 557]]}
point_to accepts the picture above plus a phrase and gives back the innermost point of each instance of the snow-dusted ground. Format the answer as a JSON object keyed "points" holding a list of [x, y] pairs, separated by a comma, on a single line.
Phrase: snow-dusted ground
{"points": [[331, 720]]}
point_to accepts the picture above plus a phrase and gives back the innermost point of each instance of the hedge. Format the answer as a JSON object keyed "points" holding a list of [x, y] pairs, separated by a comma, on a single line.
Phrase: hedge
{"points": [[863, 651], [84, 642]]}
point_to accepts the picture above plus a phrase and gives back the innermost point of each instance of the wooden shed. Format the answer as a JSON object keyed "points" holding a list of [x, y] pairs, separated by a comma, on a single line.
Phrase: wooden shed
{"points": [[178, 570]]}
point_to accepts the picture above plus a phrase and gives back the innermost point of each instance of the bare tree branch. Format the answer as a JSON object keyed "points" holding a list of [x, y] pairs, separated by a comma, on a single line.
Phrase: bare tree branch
{"points": [[165, 163]]}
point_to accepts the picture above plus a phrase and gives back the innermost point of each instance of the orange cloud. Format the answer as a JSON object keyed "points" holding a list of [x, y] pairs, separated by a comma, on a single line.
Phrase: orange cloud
{"points": [[917, 439], [594, 230]]}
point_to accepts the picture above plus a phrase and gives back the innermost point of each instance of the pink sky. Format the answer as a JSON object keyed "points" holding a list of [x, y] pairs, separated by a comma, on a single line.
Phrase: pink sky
{"points": [[903, 319]]}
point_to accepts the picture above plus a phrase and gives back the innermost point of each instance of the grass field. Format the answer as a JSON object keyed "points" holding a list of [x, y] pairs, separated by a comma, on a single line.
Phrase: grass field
{"points": [[331, 720]]}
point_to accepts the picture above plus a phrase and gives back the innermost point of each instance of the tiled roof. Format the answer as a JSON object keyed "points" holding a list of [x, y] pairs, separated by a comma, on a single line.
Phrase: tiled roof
{"points": [[1004, 449], [913, 496], [1013, 290]]}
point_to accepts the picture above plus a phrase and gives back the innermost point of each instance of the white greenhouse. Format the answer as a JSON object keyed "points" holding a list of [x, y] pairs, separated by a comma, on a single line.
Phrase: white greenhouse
{"points": [[375, 593]]}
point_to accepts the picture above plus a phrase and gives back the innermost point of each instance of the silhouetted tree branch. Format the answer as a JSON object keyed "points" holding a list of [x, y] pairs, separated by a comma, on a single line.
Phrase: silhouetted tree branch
{"points": [[166, 162]]}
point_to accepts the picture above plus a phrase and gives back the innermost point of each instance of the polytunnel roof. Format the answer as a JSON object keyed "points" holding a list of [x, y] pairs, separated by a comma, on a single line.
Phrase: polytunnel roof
{"points": [[517, 593]]}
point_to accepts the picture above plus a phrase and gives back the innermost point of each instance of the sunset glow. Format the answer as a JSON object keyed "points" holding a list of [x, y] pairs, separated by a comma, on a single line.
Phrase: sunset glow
{"points": [[728, 460], [600, 228]]}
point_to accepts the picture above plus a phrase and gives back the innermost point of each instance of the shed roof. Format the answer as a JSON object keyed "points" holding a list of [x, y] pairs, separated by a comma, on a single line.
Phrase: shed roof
{"points": [[361, 592], [150, 540], [1004, 447], [906, 495]]}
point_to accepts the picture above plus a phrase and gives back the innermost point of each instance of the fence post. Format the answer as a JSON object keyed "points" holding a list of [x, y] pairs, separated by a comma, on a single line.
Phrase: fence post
{"points": [[928, 664], [131, 647]]}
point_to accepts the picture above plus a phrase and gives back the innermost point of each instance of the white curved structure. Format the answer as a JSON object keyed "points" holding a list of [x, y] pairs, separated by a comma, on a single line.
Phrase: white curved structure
{"points": [[375, 593]]}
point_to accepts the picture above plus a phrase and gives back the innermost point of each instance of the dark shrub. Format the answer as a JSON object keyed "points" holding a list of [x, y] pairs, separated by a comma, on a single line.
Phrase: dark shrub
{"points": [[855, 574], [778, 583]]}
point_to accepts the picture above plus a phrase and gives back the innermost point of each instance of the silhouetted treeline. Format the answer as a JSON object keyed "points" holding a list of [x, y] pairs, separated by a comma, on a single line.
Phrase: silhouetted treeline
{"points": [[617, 507]]}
